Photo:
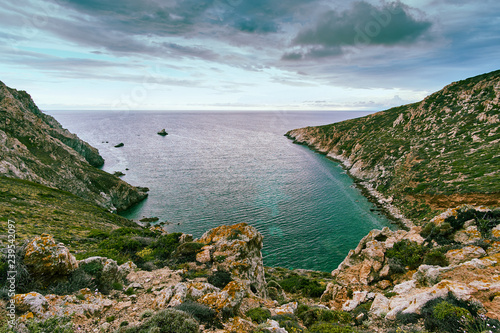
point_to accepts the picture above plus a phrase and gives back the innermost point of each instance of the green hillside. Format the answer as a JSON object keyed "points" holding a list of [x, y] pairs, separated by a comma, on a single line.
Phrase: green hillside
{"points": [[429, 155]]}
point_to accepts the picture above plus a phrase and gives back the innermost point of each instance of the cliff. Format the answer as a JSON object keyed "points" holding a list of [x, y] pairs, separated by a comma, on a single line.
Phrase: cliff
{"points": [[425, 157], [35, 147]]}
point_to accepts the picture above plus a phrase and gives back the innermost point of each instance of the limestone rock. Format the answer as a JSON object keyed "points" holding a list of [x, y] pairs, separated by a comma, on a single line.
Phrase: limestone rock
{"points": [[467, 235], [413, 299], [239, 246], [358, 298], [111, 272], [239, 325], [204, 255], [163, 298], [274, 326], [47, 260], [288, 308], [33, 302], [185, 238], [380, 305], [230, 297], [467, 253]]}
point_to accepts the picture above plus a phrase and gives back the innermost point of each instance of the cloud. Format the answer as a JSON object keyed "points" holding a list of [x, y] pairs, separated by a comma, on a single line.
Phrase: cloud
{"points": [[362, 24]]}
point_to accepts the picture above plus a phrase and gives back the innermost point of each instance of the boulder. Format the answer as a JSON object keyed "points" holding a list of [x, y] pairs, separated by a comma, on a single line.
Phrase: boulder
{"points": [[462, 255], [288, 308], [273, 326], [239, 325], [48, 260], [467, 235], [111, 272], [229, 298], [237, 249], [32, 302]]}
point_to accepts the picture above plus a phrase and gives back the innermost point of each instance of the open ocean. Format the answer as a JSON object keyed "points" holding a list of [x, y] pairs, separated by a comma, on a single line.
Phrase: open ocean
{"points": [[222, 168]]}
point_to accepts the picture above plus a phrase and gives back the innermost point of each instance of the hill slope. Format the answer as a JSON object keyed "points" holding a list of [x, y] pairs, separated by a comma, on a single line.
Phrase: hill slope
{"points": [[34, 146], [37, 209], [431, 155]]}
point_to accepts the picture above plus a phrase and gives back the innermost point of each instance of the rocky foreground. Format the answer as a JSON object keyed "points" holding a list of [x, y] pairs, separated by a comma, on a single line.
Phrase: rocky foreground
{"points": [[442, 277]]}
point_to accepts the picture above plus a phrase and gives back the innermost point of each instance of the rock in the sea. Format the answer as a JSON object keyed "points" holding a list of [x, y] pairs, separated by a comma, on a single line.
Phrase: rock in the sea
{"points": [[121, 144], [48, 260], [162, 132]]}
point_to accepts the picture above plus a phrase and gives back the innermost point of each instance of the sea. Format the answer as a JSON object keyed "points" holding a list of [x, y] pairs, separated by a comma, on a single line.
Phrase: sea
{"points": [[223, 168]]}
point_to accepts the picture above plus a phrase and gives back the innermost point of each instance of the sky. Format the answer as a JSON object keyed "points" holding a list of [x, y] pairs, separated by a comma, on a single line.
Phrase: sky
{"points": [[243, 54]]}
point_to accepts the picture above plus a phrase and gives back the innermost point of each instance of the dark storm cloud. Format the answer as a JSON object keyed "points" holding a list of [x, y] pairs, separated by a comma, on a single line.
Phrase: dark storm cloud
{"points": [[181, 17], [363, 24]]}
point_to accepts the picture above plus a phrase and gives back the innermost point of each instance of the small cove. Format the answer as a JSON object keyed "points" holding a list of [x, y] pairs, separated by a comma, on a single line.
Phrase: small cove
{"points": [[218, 168]]}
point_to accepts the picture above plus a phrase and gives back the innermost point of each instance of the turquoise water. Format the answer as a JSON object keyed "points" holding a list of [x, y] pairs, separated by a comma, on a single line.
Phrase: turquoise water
{"points": [[225, 168]]}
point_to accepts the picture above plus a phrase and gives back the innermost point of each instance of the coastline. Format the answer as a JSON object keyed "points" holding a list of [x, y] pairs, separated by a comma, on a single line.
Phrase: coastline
{"points": [[383, 204]]}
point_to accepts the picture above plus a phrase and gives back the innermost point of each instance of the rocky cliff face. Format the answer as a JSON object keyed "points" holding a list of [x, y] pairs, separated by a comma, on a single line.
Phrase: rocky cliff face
{"points": [[431, 155], [34, 146]]}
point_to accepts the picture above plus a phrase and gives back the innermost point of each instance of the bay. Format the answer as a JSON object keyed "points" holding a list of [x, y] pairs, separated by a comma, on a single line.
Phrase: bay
{"points": [[222, 168]]}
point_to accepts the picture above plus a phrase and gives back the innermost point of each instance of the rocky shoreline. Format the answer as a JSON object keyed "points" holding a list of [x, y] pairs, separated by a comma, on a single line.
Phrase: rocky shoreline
{"points": [[384, 204]]}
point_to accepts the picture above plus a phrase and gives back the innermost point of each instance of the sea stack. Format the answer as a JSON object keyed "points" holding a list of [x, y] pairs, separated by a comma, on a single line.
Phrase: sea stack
{"points": [[162, 132]]}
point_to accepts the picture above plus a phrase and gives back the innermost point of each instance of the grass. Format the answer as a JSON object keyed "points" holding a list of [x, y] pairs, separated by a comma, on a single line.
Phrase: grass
{"points": [[38, 209]]}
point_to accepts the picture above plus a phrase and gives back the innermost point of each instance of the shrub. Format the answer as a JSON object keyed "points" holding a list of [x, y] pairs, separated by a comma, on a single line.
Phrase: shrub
{"points": [[78, 279], [330, 328], [147, 314], [407, 318], [436, 257], [117, 286], [98, 234], [220, 279], [167, 321], [130, 291], [407, 252], [201, 312], [54, 325], [259, 315], [187, 252], [448, 314], [308, 288], [314, 315]]}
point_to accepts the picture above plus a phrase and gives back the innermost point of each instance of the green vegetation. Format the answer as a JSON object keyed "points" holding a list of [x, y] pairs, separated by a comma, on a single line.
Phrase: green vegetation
{"points": [[407, 253], [312, 315], [330, 328], [167, 321], [300, 284], [450, 314], [200, 312], [422, 153], [38, 209], [53, 325], [144, 247], [259, 315], [220, 279], [485, 221]]}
